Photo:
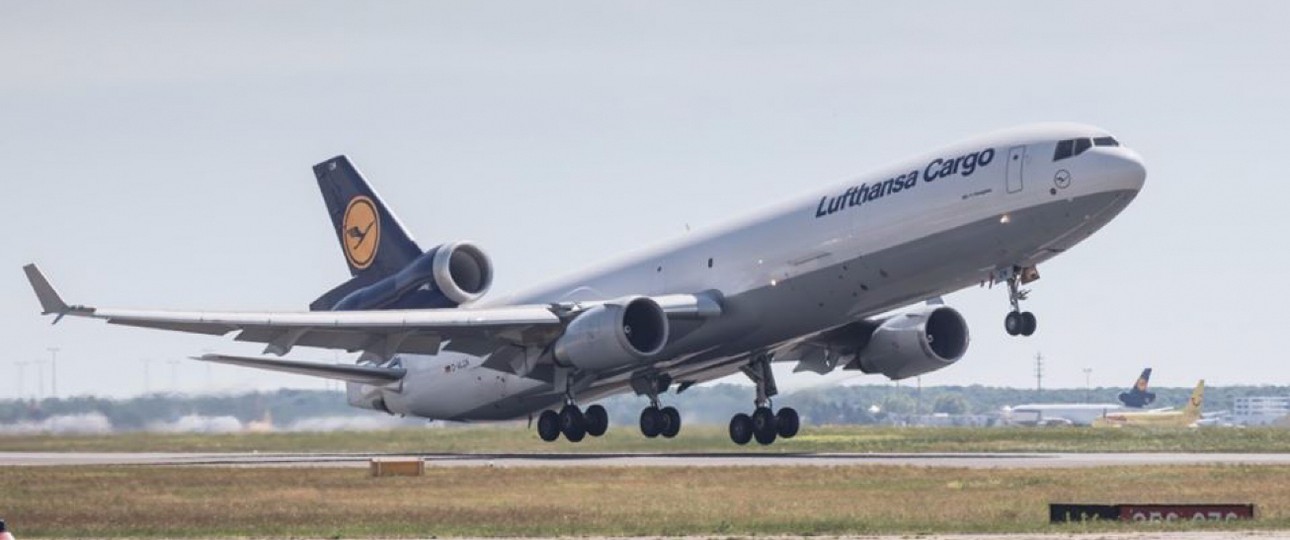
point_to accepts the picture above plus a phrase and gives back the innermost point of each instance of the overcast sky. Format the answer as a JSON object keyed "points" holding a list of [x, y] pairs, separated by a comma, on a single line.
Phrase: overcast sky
{"points": [[158, 155]]}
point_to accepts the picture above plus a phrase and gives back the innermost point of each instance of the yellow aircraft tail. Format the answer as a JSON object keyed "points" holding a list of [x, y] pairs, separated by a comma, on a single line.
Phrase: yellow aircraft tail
{"points": [[1192, 410]]}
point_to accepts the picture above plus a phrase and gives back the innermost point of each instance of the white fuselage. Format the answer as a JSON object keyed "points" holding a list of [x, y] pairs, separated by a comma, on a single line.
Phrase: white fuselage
{"points": [[921, 227], [1080, 414]]}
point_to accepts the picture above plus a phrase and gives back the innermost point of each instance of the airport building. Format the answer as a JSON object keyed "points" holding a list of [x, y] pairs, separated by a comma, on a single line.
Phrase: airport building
{"points": [[1259, 410]]}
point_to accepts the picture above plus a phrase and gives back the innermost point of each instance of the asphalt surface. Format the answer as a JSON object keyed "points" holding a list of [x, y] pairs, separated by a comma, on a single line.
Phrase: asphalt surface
{"points": [[967, 460]]}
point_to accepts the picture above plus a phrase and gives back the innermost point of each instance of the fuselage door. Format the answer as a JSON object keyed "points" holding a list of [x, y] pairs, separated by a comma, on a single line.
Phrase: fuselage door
{"points": [[1016, 160]]}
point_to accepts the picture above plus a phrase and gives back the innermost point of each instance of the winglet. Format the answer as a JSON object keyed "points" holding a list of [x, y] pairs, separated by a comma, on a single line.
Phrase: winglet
{"points": [[50, 302]]}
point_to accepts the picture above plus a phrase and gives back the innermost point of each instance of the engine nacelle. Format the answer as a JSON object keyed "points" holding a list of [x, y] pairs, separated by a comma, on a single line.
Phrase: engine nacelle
{"points": [[447, 276], [613, 334], [915, 343]]}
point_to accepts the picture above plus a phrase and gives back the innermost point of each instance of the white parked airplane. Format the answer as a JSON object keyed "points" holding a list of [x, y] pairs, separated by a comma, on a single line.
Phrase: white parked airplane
{"points": [[804, 280]]}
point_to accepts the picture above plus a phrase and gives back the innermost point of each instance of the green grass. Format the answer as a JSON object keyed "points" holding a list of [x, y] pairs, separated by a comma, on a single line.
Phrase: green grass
{"points": [[80, 502], [508, 438]]}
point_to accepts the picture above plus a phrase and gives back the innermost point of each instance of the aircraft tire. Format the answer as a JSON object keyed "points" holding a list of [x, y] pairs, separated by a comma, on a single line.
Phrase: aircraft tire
{"points": [[741, 429], [651, 422], [787, 422], [1028, 323], [597, 420], [548, 426], [572, 423], [1013, 323], [673, 423], [764, 425]]}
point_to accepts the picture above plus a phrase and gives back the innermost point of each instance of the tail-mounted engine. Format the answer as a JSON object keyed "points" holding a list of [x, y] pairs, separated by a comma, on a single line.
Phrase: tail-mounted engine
{"points": [[915, 343], [616, 333], [447, 276]]}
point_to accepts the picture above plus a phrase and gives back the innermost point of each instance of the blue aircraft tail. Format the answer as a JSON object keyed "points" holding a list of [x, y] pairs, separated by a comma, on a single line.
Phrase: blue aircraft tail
{"points": [[1138, 396], [373, 241]]}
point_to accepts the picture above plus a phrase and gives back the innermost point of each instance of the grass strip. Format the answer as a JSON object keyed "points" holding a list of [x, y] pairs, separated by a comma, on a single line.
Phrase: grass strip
{"points": [[486, 502], [510, 438]]}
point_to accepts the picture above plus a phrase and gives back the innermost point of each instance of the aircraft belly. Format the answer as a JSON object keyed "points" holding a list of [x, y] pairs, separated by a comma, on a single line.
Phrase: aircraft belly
{"points": [[873, 283]]}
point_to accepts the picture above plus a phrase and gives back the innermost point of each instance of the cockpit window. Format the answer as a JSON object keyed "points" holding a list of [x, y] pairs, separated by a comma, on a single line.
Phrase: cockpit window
{"points": [[1106, 141], [1075, 147], [1064, 149]]}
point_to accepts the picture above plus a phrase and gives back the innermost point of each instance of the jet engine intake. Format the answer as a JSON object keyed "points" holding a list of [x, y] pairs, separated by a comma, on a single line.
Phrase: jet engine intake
{"points": [[915, 343], [446, 276], [613, 334], [462, 271]]}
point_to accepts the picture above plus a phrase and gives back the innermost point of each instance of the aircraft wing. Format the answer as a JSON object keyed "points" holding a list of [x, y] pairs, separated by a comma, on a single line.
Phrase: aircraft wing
{"points": [[381, 332], [364, 374]]}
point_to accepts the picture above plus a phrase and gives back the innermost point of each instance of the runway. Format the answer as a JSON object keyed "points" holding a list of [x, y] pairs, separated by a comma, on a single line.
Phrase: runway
{"points": [[948, 460]]}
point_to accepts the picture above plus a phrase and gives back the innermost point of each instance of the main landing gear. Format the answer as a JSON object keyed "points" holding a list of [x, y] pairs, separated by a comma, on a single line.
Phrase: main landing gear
{"points": [[764, 424], [1019, 322], [656, 420], [573, 423]]}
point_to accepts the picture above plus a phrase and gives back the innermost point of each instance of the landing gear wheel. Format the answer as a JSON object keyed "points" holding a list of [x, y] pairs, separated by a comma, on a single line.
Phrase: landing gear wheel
{"points": [[597, 420], [1028, 323], [1014, 323], [741, 429], [787, 422], [573, 423], [651, 422], [548, 426], [672, 423], [763, 421]]}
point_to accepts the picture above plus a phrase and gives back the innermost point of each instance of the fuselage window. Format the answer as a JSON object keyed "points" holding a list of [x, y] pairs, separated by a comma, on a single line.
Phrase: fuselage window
{"points": [[1064, 149], [1106, 141]]}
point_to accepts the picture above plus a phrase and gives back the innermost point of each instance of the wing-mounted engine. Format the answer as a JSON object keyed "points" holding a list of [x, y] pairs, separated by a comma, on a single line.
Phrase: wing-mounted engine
{"points": [[446, 276], [616, 333], [914, 343]]}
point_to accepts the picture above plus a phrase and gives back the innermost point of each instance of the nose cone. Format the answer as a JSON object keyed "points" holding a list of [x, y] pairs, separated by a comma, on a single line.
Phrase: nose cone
{"points": [[1125, 170]]}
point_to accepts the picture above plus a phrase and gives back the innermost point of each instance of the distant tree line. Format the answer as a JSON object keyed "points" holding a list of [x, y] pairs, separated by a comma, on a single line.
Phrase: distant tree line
{"points": [[715, 404]]}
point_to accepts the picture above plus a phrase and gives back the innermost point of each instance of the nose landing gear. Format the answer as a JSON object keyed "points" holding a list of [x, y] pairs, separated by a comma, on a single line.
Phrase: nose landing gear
{"points": [[1019, 322]]}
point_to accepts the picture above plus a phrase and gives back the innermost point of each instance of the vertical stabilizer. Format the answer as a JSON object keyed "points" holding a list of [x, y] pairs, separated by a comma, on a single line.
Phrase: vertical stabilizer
{"points": [[375, 244], [1192, 410], [1138, 396]]}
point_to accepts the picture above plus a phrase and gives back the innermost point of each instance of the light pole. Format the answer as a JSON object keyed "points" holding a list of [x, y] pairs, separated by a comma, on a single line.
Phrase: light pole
{"points": [[1088, 388], [147, 376], [53, 370]]}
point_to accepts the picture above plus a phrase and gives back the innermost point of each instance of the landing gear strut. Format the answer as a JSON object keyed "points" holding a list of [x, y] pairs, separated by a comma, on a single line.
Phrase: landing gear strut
{"points": [[764, 424], [1019, 322], [656, 420]]}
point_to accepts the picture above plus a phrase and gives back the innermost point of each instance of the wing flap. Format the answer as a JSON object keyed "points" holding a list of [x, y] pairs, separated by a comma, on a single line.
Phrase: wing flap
{"points": [[343, 372]]}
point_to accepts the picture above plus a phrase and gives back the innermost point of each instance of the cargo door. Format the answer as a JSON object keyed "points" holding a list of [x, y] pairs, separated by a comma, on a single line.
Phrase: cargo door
{"points": [[1016, 162]]}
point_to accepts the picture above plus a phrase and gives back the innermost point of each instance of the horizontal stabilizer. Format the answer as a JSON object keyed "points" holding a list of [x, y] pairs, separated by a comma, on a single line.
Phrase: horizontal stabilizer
{"points": [[341, 372]]}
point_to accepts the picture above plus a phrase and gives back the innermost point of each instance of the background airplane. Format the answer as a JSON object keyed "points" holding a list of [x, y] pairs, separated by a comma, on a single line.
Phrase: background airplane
{"points": [[815, 279], [1189, 415]]}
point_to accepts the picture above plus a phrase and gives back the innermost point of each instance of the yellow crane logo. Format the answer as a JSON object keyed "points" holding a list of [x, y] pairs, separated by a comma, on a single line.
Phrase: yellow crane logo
{"points": [[361, 232]]}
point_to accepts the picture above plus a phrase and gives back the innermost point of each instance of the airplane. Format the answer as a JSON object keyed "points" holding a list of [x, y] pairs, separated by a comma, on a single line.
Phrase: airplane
{"points": [[1138, 396], [1188, 416], [1081, 414], [1051, 414], [845, 276]]}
